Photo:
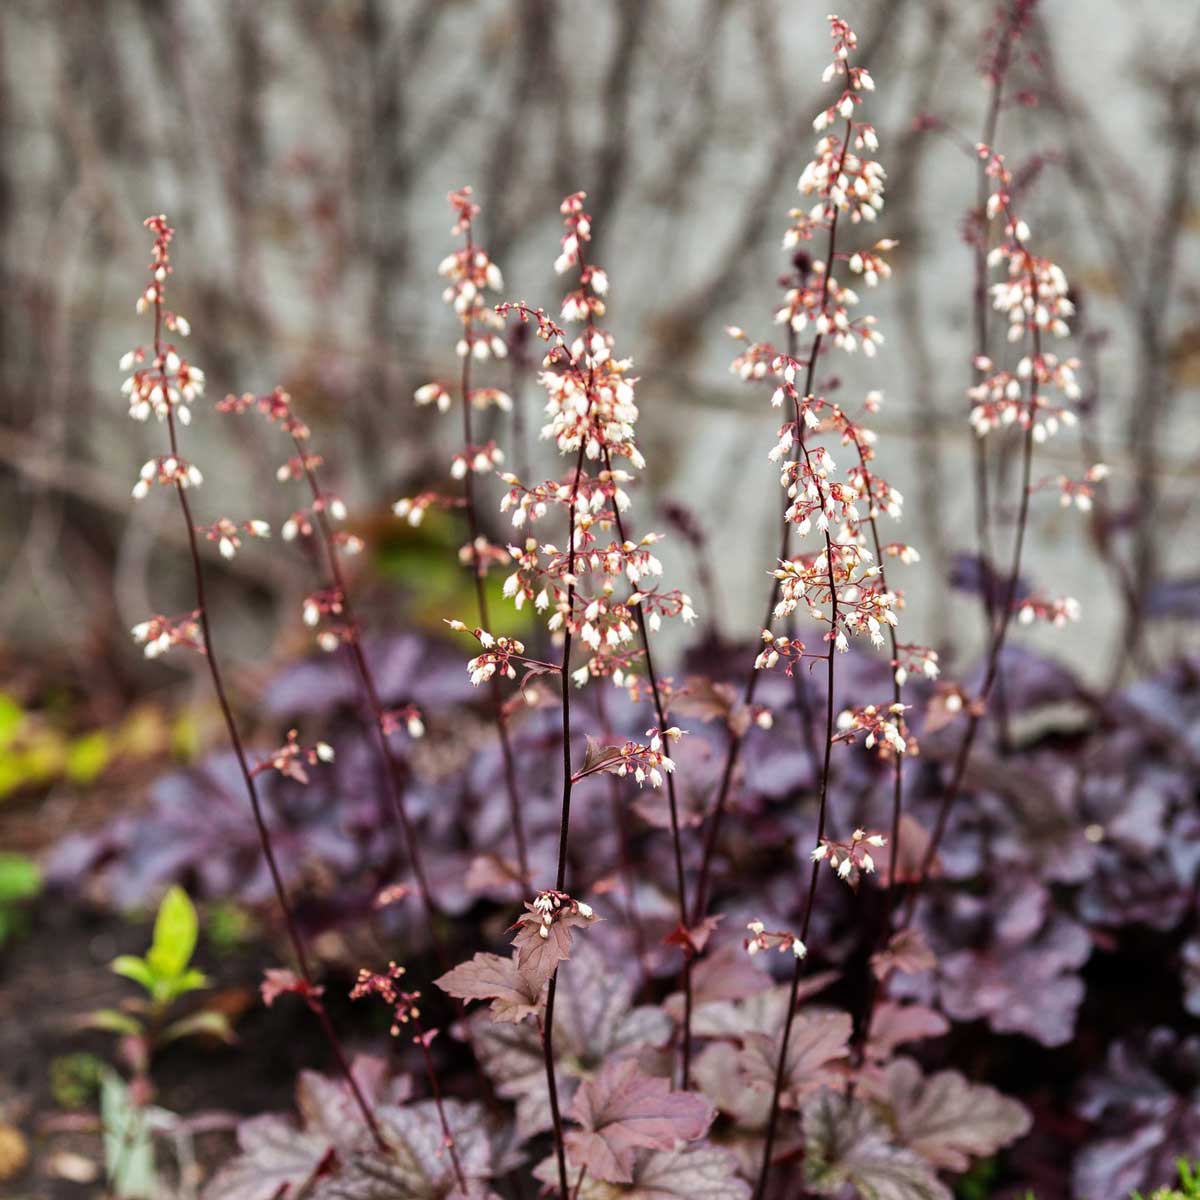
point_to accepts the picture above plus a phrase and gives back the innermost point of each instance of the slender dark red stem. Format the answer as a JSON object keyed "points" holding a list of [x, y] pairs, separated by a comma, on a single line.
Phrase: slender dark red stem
{"points": [[560, 879], [885, 924], [822, 814], [660, 712], [395, 770], [823, 801], [478, 565], [1003, 624], [979, 297], [435, 1087], [264, 835]]}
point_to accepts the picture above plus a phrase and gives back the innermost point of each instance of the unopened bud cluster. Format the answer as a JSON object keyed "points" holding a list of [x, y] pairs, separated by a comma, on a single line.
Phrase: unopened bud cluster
{"points": [[290, 758]]}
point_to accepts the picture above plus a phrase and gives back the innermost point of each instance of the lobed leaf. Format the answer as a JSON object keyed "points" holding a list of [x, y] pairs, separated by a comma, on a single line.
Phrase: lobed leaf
{"points": [[175, 931], [623, 1110], [493, 977], [846, 1144], [815, 1042], [694, 1172], [946, 1119]]}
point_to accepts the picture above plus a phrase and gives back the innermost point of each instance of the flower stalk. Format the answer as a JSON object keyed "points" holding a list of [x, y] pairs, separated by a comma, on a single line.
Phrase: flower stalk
{"points": [[165, 391]]}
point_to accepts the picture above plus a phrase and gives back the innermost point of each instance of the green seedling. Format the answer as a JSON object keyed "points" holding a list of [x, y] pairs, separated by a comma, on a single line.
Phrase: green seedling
{"points": [[164, 974]]}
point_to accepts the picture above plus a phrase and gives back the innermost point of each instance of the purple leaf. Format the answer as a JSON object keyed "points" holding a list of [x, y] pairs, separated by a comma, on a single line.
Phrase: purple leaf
{"points": [[907, 952], [846, 1144], [948, 1120], [593, 1021], [492, 977], [1146, 1105], [542, 944], [694, 1172], [623, 1110], [416, 1164], [275, 1159], [816, 1041], [895, 1025]]}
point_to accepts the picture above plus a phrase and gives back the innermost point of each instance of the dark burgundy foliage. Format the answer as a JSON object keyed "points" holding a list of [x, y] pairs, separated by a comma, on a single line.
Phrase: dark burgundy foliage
{"points": [[1072, 864]]}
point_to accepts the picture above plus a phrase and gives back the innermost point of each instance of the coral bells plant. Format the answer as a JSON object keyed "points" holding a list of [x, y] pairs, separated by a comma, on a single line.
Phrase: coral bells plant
{"points": [[727, 1000], [601, 590], [842, 584], [163, 384]]}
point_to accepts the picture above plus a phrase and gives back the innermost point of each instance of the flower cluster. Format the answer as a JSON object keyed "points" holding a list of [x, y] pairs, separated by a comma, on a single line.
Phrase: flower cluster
{"points": [[644, 761], [404, 1005], [275, 406], [847, 859], [413, 508], [162, 380], [1035, 292], [1057, 612], [775, 648], [591, 415], [883, 726], [290, 758], [1077, 493], [498, 656], [408, 718], [910, 658], [470, 273], [841, 572], [762, 938], [480, 459], [842, 584], [158, 634], [227, 533], [551, 907], [167, 469], [326, 608], [998, 398]]}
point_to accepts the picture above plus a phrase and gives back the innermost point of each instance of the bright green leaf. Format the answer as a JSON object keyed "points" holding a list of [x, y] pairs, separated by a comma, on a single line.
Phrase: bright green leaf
{"points": [[20, 878], [175, 930], [191, 980], [87, 757], [201, 1024], [112, 1020], [11, 717], [136, 969]]}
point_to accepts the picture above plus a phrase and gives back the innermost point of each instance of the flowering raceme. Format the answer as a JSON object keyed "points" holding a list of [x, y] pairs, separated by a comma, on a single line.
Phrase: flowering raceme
{"points": [[163, 383], [591, 414], [842, 583]]}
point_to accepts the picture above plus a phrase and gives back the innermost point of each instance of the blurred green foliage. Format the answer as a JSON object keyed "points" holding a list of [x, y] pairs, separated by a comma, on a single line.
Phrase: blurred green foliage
{"points": [[426, 559], [20, 881], [1187, 1189], [36, 750], [977, 1183], [75, 1078], [228, 926]]}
